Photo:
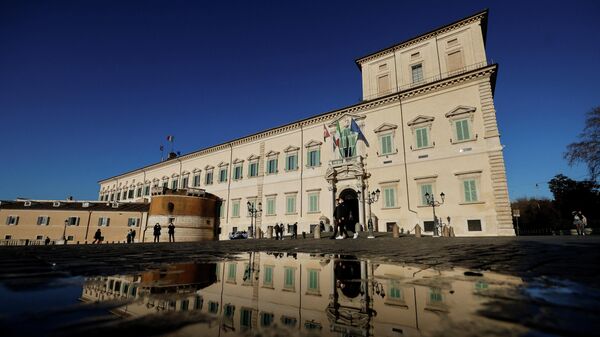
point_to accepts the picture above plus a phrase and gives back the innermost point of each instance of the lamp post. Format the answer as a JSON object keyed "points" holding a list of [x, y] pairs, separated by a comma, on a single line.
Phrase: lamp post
{"points": [[371, 198], [253, 213], [517, 215], [65, 231], [434, 203]]}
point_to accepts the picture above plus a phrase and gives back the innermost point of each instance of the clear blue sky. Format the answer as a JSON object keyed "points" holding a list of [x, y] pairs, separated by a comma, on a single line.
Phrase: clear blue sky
{"points": [[90, 89]]}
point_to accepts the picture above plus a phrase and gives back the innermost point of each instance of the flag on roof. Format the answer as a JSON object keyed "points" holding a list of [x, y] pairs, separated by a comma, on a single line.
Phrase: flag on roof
{"points": [[170, 138], [354, 128], [325, 133]]}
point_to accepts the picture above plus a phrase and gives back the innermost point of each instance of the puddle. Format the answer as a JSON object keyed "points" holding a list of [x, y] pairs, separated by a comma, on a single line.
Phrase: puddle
{"points": [[274, 294]]}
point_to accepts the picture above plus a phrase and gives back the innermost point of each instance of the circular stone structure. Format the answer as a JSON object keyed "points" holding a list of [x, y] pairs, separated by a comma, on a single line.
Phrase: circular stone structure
{"points": [[194, 213]]}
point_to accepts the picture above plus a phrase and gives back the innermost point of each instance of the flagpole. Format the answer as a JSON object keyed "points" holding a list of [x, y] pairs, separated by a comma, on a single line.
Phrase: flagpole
{"points": [[162, 152]]}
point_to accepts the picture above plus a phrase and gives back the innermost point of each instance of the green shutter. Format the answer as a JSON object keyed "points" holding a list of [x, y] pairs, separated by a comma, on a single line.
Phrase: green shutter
{"points": [[459, 133], [473, 190], [465, 125], [389, 197], [425, 188]]}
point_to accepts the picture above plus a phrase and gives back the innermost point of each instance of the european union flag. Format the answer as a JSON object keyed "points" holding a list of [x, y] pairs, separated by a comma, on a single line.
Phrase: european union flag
{"points": [[354, 128]]}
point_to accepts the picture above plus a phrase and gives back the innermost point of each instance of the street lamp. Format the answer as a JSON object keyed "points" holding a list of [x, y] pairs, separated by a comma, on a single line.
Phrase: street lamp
{"points": [[65, 231], [371, 198], [253, 213], [430, 198]]}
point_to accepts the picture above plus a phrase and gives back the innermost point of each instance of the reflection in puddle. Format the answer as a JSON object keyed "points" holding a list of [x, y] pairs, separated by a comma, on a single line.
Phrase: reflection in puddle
{"points": [[272, 294]]}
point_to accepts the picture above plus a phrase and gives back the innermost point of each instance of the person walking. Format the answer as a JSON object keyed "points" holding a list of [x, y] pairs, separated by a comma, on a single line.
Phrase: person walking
{"points": [[583, 222], [276, 229], [133, 236], [97, 237], [171, 232], [577, 222], [295, 230], [340, 215], [129, 236], [157, 229]]}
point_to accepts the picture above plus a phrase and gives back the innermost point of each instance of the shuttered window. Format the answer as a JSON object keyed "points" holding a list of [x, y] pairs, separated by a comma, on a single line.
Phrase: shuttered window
{"points": [[462, 129], [422, 138], [470, 189]]}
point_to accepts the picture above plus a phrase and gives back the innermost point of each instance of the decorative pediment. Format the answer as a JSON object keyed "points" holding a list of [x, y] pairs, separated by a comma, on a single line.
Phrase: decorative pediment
{"points": [[421, 120], [165, 177], [196, 170], [140, 183], [209, 167], [291, 148], [237, 161], [155, 179], [253, 157], [221, 164], [185, 172], [313, 143], [344, 120], [174, 175], [385, 127], [272, 153], [461, 110]]}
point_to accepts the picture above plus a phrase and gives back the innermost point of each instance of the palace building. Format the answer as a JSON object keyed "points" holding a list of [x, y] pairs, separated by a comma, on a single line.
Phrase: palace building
{"points": [[426, 125]]}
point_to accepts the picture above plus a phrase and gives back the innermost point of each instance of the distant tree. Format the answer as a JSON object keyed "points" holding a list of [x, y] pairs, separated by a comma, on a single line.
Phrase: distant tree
{"points": [[587, 150], [537, 216], [571, 195]]}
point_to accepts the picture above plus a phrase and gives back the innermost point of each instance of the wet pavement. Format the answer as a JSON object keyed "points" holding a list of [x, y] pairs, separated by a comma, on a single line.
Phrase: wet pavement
{"points": [[533, 286]]}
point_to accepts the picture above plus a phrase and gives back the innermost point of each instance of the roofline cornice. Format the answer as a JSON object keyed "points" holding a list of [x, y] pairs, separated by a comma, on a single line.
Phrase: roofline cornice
{"points": [[324, 117], [438, 31]]}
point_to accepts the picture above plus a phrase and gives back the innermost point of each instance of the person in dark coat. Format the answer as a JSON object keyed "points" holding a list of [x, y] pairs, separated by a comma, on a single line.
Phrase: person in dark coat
{"points": [[340, 215], [171, 232], [157, 229], [276, 230], [97, 237]]}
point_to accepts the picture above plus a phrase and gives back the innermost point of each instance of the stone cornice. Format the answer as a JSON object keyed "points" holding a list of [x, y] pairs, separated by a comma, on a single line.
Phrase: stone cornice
{"points": [[327, 117], [481, 16]]}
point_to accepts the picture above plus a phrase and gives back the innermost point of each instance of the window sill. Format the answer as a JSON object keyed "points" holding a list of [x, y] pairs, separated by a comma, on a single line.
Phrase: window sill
{"points": [[472, 203], [290, 290], [295, 213], [387, 154], [462, 141], [313, 212], [423, 206], [291, 170], [268, 287], [314, 293], [270, 214], [423, 148], [313, 166], [395, 207]]}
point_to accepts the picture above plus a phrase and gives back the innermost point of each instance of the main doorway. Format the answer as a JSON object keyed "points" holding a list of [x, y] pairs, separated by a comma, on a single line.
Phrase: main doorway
{"points": [[350, 198]]}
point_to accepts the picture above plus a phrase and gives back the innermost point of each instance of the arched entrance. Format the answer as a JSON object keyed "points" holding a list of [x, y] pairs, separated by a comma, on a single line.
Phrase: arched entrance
{"points": [[350, 198]]}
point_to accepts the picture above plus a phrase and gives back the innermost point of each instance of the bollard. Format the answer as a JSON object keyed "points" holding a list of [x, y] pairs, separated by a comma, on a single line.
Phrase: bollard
{"points": [[445, 231], [317, 232], [304, 235], [269, 232], [451, 232], [395, 231], [417, 231]]}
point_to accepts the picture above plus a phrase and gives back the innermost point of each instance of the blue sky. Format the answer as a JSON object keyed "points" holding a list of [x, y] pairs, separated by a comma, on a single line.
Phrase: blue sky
{"points": [[90, 89]]}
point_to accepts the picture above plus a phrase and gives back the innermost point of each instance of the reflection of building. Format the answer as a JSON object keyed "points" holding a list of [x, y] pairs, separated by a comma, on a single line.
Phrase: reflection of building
{"points": [[333, 296], [428, 115], [193, 211]]}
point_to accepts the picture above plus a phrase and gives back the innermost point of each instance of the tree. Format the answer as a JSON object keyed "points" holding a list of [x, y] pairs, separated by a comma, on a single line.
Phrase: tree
{"points": [[587, 150], [571, 195]]}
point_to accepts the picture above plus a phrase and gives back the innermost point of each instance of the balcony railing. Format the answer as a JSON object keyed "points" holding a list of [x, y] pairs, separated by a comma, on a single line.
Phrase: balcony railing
{"points": [[344, 161], [431, 79]]}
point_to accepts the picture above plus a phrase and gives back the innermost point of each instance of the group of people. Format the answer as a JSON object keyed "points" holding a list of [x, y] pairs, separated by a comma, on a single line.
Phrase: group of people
{"points": [[280, 228], [580, 222], [131, 236], [171, 230], [342, 217]]}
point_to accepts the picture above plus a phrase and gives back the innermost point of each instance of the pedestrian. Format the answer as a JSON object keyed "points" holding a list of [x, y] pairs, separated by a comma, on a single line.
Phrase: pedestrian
{"points": [[47, 241], [171, 232], [281, 229], [133, 236], [276, 230], [295, 230], [129, 236], [157, 229], [340, 215], [577, 222], [97, 237], [583, 222], [321, 226]]}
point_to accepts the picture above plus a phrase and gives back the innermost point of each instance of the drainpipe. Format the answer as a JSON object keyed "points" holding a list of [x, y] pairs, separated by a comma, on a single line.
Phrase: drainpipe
{"points": [[302, 168], [228, 182], [87, 229]]}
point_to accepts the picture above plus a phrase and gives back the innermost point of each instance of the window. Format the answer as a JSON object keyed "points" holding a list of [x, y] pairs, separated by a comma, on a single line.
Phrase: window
{"points": [[147, 189], [222, 210], [7, 237], [462, 129], [253, 169], [199, 302], [268, 277], [389, 197], [417, 73], [237, 172], [313, 202], [271, 206], [70, 238], [43, 220], [103, 221], [474, 225], [288, 278], [213, 307], [235, 209], [470, 189], [313, 280], [246, 318], [139, 192], [165, 183], [229, 311], [266, 319], [288, 321], [428, 226], [73, 221], [290, 203], [395, 292], [383, 84], [435, 296], [39, 237], [223, 175], [208, 179], [455, 61], [231, 271], [184, 305], [130, 195], [185, 182], [314, 157], [423, 189], [291, 162], [196, 180], [12, 220], [133, 222], [272, 166], [385, 142], [174, 184], [422, 138]]}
